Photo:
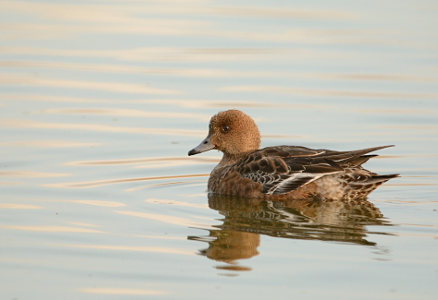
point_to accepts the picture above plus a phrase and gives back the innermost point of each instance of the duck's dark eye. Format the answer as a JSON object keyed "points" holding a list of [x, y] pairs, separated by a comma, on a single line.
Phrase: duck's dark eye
{"points": [[225, 129]]}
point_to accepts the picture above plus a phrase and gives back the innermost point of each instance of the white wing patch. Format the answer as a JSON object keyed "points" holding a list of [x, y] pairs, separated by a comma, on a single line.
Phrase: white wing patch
{"points": [[295, 181]]}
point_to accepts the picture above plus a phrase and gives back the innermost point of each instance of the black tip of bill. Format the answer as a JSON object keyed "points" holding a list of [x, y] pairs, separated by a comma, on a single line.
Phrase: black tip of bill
{"points": [[192, 152], [205, 145]]}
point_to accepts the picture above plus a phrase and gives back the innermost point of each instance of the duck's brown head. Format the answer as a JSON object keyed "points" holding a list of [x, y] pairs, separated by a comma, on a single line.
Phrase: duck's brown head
{"points": [[232, 132]]}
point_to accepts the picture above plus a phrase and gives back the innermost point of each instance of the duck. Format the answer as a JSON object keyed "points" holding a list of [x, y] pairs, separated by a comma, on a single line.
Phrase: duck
{"points": [[282, 172]]}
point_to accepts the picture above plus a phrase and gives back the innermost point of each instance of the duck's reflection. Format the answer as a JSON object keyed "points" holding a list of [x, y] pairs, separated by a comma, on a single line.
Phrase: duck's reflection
{"points": [[238, 237]]}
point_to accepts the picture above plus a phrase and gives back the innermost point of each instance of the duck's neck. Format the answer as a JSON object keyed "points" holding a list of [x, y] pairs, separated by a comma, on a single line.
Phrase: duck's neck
{"points": [[230, 159], [222, 168]]}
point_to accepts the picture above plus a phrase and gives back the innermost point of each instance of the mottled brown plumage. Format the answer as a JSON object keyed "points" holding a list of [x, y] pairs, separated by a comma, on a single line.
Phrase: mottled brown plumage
{"points": [[282, 172]]}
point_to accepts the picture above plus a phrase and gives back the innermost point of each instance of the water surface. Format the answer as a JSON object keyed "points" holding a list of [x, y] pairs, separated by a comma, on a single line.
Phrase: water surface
{"points": [[101, 100]]}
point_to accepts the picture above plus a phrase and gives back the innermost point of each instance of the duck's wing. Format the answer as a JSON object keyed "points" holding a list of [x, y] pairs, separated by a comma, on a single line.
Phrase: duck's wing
{"points": [[283, 169], [353, 158]]}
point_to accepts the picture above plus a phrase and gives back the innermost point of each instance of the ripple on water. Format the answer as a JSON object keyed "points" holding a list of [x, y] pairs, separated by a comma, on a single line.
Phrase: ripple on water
{"points": [[90, 184]]}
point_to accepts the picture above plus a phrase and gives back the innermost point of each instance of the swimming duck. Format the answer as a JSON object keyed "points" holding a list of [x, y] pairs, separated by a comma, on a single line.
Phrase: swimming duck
{"points": [[282, 172]]}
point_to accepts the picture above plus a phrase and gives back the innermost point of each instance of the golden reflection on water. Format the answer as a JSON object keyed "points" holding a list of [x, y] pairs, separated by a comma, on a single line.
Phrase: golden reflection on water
{"points": [[326, 93], [412, 184], [381, 77], [238, 237], [149, 54], [130, 248], [49, 228], [119, 112], [115, 87], [174, 161], [191, 182], [100, 203], [47, 144], [114, 18], [18, 206], [174, 202], [210, 72], [411, 202], [393, 111], [31, 174], [414, 127], [162, 218], [160, 237], [191, 103], [122, 291], [98, 127], [90, 184], [83, 224], [116, 12]]}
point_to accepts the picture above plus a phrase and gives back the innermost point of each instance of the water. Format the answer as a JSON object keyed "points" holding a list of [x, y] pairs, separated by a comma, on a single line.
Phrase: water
{"points": [[101, 100]]}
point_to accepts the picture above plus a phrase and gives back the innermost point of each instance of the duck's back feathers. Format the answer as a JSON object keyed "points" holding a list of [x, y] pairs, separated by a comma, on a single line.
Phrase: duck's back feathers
{"points": [[283, 169]]}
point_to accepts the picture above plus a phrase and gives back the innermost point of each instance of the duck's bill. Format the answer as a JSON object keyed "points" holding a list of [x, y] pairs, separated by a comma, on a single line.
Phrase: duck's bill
{"points": [[205, 145]]}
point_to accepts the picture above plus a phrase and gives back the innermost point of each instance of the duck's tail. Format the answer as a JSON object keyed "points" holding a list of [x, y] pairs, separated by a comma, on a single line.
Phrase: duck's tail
{"points": [[363, 185]]}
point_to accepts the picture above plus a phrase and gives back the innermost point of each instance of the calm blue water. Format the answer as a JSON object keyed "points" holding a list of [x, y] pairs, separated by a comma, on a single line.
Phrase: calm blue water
{"points": [[101, 100]]}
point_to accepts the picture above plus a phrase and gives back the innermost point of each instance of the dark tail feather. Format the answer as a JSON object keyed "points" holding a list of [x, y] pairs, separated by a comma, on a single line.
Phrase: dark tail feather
{"points": [[382, 178], [345, 155], [374, 180], [368, 150], [358, 160]]}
